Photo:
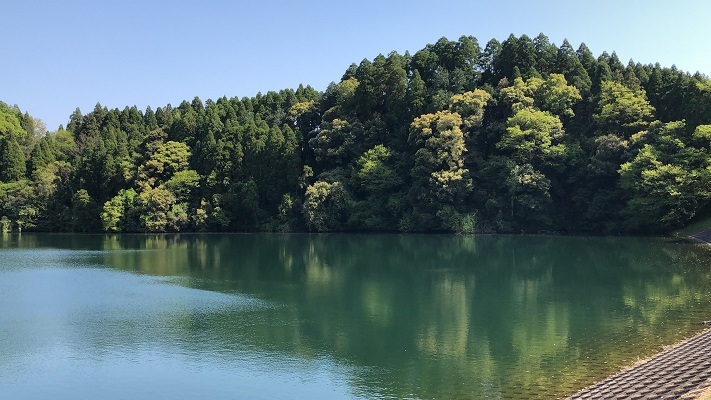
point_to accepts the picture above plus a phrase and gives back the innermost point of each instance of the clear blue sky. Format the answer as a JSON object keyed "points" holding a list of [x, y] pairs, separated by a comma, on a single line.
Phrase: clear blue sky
{"points": [[59, 55]]}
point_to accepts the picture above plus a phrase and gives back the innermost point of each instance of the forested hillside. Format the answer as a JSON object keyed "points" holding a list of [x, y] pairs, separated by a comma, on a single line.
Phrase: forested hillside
{"points": [[518, 136]]}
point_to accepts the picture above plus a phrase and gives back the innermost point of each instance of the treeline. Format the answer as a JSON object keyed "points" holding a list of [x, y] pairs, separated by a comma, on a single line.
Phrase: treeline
{"points": [[518, 136]]}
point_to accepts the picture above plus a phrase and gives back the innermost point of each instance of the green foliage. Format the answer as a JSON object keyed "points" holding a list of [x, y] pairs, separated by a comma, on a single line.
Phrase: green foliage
{"points": [[168, 159], [533, 137], [326, 206], [439, 158], [183, 184], [553, 95], [156, 207], [344, 94], [12, 160], [5, 225], [663, 196], [10, 127], [621, 108], [461, 224], [210, 216], [569, 65], [288, 214], [85, 212], [377, 184], [556, 96], [520, 94], [374, 174], [702, 136], [470, 106], [669, 180], [114, 215], [520, 136], [12, 156], [440, 179], [27, 218], [529, 194]]}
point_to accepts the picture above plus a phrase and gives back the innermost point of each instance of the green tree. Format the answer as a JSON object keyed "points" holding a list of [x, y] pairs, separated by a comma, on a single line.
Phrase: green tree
{"points": [[377, 184], [533, 137], [115, 212], [336, 143], [556, 96], [416, 94], [520, 94], [623, 110], [516, 52], [529, 194], [587, 60], [27, 218], [183, 185], [470, 106], [12, 156], [5, 225], [209, 216], [568, 64], [42, 155], [326, 206], [168, 159], [663, 196], [439, 176], [546, 53], [489, 60], [74, 120], [374, 174], [85, 212], [154, 205], [523, 135], [552, 94], [12, 160], [344, 101]]}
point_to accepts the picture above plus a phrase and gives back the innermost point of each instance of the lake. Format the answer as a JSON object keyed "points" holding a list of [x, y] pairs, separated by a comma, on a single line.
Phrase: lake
{"points": [[259, 316]]}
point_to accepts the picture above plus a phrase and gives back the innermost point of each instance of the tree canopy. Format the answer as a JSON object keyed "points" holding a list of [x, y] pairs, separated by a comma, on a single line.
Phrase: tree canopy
{"points": [[518, 136]]}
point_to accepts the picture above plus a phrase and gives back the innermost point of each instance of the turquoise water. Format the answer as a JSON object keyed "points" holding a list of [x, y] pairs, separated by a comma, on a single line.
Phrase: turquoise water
{"points": [[337, 316]]}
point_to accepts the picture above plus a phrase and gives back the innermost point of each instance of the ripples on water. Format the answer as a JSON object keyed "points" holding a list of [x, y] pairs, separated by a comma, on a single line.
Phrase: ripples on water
{"points": [[319, 316], [88, 331]]}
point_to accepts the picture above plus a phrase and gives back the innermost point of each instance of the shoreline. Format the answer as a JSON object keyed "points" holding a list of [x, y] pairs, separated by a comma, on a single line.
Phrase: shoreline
{"points": [[682, 371], [645, 376]]}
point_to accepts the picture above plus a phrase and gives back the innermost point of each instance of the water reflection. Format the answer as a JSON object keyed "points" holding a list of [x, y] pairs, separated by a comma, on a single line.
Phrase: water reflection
{"points": [[408, 316]]}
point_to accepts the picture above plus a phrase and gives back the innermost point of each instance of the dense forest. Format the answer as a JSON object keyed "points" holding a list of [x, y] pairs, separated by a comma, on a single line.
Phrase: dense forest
{"points": [[517, 136]]}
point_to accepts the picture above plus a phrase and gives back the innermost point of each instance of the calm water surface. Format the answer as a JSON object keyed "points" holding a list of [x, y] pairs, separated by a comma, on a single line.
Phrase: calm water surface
{"points": [[337, 316]]}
